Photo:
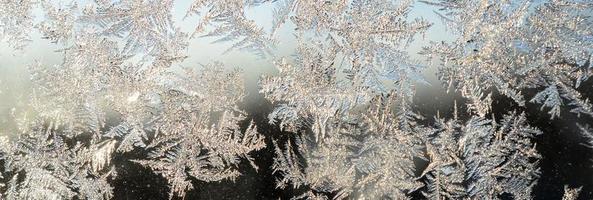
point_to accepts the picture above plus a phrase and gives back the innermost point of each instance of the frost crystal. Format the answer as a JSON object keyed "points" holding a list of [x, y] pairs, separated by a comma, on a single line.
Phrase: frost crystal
{"points": [[54, 169], [571, 193], [16, 20], [197, 134], [230, 23], [369, 157], [346, 96], [481, 158], [118, 90], [510, 46], [354, 55]]}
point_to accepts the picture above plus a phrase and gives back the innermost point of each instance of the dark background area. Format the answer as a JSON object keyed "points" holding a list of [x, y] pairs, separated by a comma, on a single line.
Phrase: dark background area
{"points": [[565, 160]]}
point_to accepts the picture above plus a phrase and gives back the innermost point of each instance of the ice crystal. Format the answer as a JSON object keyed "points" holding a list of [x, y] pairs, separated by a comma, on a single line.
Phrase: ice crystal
{"points": [[587, 132], [59, 22], [16, 21], [230, 23], [352, 62], [369, 157], [197, 134], [118, 90], [145, 26], [356, 53], [482, 158], [571, 193], [187, 120], [374, 157], [510, 46], [346, 96], [42, 165]]}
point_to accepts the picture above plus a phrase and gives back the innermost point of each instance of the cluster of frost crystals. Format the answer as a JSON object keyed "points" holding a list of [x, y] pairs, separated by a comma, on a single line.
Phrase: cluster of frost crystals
{"points": [[571, 193], [16, 21], [349, 52], [310, 95], [588, 133], [346, 94], [481, 158], [119, 89], [351, 87], [511, 46], [229, 22], [374, 157], [59, 21], [370, 157], [142, 25], [44, 164], [197, 134], [353, 60], [337, 94]]}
